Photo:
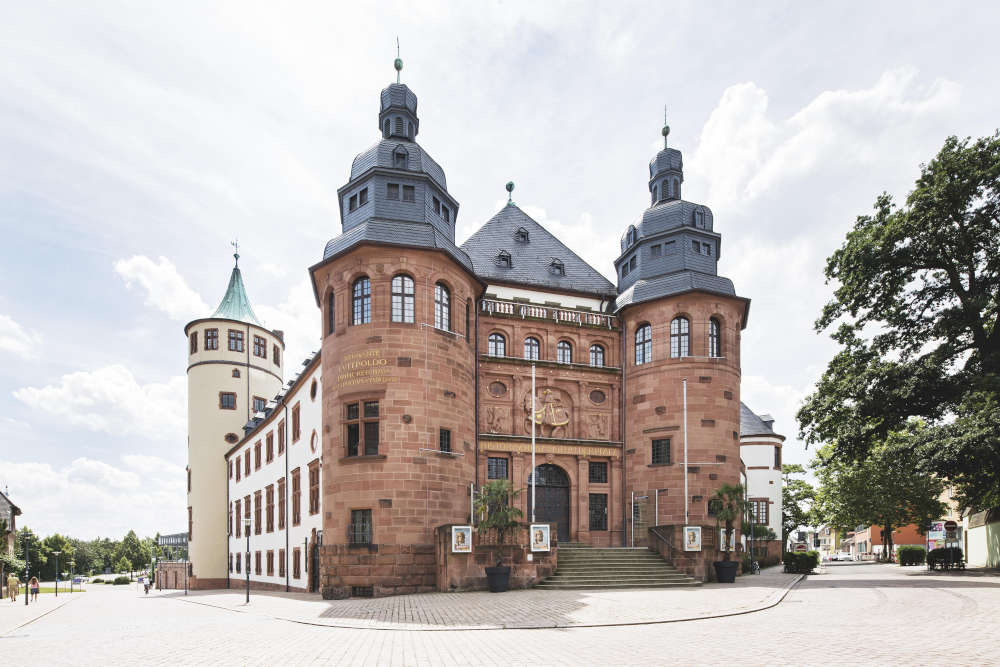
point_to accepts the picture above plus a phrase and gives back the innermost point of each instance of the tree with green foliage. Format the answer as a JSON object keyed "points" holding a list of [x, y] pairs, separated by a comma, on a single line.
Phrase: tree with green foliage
{"points": [[917, 316], [131, 551], [36, 553], [887, 489], [730, 506], [123, 565], [51, 544], [797, 496], [495, 506]]}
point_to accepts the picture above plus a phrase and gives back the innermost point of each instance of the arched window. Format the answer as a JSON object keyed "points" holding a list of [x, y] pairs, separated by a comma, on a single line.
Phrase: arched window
{"points": [[330, 326], [714, 338], [504, 260], [442, 307], [409, 130], [399, 158], [531, 347], [680, 337], [361, 297], [677, 188], [666, 189], [643, 344], [386, 129], [596, 355], [564, 352], [497, 345], [402, 298], [654, 194], [399, 125]]}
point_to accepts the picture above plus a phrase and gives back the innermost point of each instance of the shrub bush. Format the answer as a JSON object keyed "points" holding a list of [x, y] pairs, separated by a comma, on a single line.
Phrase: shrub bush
{"points": [[121, 580], [944, 555], [97, 581], [911, 555], [802, 562]]}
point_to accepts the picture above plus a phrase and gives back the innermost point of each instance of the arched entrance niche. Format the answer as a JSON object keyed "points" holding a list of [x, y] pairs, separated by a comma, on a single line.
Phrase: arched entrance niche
{"points": [[552, 485]]}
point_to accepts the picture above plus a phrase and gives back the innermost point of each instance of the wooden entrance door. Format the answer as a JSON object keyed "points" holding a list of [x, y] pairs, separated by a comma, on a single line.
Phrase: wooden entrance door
{"points": [[552, 506]]}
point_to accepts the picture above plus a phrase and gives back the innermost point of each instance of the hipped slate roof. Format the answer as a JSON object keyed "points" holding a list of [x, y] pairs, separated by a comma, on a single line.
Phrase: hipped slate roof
{"points": [[408, 234], [531, 262], [751, 424], [674, 283], [235, 305], [380, 155]]}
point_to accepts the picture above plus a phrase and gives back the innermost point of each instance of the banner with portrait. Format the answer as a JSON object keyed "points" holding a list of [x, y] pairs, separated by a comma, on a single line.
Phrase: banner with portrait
{"points": [[461, 539], [540, 536], [692, 538]]}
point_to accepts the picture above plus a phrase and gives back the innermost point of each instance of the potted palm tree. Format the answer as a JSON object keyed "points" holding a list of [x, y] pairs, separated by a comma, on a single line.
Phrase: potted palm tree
{"points": [[729, 506], [495, 506]]}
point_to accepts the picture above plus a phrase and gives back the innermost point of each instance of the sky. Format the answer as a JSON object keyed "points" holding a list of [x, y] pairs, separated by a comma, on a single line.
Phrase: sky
{"points": [[138, 139]]}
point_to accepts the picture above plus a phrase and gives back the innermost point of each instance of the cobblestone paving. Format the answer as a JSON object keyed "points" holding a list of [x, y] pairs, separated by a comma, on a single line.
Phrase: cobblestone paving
{"points": [[514, 609], [900, 618]]}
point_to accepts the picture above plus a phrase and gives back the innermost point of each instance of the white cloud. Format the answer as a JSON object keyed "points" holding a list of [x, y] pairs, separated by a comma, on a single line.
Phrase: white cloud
{"points": [[165, 288], [111, 400], [299, 318], [89, 498], [17, 340]]}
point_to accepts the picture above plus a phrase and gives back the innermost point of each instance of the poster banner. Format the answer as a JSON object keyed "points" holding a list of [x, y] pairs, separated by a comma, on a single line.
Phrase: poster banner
{"points": [[540, 537], [461, 539], [692, 538]]}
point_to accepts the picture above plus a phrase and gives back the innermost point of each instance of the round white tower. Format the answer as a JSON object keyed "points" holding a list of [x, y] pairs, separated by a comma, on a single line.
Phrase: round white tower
{"points": [[234, 368]]}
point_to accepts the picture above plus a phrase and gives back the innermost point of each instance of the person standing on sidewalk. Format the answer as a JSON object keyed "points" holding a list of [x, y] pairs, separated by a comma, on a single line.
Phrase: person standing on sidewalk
{"points": [[13, 583], [33, 586]]}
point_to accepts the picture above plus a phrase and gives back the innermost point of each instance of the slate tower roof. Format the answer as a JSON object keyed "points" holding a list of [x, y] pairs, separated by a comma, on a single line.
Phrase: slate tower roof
{"points": [[235, 304], [511, 247], [673, 248], [753, 424]]}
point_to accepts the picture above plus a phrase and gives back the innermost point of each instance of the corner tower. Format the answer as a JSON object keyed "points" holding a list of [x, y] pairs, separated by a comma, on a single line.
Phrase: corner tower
{"points": [[681, 323], [397, 298], [234, 368]]}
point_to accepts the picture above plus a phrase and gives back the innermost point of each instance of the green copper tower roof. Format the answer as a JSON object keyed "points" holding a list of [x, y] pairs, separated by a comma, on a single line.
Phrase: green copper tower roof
{"points": [[235, 305]]}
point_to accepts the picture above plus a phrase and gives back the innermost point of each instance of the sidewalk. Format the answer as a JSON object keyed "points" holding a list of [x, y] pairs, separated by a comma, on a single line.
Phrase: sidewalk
{"points": [[523, 609], [13, 615]]}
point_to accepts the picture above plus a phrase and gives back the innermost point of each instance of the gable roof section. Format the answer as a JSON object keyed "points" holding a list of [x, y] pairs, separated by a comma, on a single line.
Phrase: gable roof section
{"points": [[751, 424], [531, 261]]}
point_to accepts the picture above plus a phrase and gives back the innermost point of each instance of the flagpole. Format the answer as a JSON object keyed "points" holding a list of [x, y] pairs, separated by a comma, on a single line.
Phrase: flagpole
{"points": [[686, 496], [533, 443]]}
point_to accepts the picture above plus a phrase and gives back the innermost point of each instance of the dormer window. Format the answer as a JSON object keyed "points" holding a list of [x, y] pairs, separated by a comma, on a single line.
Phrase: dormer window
{"points": [[699, 219], [446, 214], [504, 260], [557, 268], [631, 237], [521, 235], [437, 205], [363, 197], [399, 158]]}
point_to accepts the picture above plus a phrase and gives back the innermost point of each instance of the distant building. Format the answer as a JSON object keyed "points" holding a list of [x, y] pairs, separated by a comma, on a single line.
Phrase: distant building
{"points": [[760, 451], [8, 515]]}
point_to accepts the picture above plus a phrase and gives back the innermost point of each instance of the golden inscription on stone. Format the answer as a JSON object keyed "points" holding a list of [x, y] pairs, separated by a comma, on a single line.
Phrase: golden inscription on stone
{"points": [[364, 367], [549, 448], [549, 414]]}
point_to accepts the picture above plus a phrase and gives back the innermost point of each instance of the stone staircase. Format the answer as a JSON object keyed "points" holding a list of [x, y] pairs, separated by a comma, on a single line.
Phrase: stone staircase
{"points": [[584, 567]]}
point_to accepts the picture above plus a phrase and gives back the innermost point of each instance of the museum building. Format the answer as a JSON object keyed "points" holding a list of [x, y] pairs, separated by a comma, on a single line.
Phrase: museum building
{"points": [[425, 376]]}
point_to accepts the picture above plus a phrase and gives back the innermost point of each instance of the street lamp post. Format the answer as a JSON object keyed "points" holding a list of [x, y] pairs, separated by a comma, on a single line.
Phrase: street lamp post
{"points": [[72, 571], [246, 526], [56, 553]]}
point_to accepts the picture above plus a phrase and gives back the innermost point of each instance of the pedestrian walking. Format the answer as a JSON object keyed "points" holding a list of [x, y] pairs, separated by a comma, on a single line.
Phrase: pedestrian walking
{"points": [[33, 586], [13, 583]]}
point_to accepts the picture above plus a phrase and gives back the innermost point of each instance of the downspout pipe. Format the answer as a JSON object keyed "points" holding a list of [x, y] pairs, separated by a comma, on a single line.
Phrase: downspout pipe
{"points": [[621, 427]]}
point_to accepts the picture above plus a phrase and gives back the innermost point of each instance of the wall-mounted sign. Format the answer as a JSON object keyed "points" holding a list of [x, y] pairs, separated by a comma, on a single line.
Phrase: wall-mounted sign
{"points": [[461, 539], [692, 538], [540, 537]]}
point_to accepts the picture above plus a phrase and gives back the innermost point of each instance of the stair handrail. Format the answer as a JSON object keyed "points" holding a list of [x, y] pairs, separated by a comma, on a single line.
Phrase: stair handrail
{"points": [[655, 532]]}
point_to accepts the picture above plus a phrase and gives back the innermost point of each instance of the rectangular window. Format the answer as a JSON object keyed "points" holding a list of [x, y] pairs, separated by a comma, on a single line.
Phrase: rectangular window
{"points": [[230, 519], [759, 510], [362, 421], [269, 496], [631, 263], [230, 561], [296, 563], [281, 438], [296, 497], [238, 469], [296, 424], [707, 248], [239, 518], [227, 400], [445, 213], [361, 527], [256, 562], [281, 562], [363, 197], [353, 203], [655, 250], [256, 455], [277, 354], [661, 451], [696, 247], [270, 562], [270, 446], [444, 440], [669, 247], [211, 339], [437, 205], [246, 464], [246, 514], [258, 513], [392, 191], [230, 470], [259, 404], [239, 562], [598, 472], [314, 487], [194, 342], [598, 511], [409, 193], [281, 504], [235, 340], [496, 467], [190, 524], [777, 458], [259, 347]]}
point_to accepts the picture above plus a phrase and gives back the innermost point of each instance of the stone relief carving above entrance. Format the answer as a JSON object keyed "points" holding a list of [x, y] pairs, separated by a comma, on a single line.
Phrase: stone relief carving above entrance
{"points": [[551, 412], [597, 427], [497, 419]]}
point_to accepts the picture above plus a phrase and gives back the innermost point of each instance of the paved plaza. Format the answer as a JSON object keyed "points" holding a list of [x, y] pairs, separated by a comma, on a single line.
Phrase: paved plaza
{"points": [[903, 616]]}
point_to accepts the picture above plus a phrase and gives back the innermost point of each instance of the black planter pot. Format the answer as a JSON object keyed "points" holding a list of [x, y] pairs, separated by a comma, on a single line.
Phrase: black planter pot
{"points": [[498, 578], [725, 571]]}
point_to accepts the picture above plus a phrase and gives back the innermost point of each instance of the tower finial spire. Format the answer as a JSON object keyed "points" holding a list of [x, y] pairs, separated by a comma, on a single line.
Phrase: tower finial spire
{"points": [[236, 254], [398, 64], [510, 193], [666, 128]]}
